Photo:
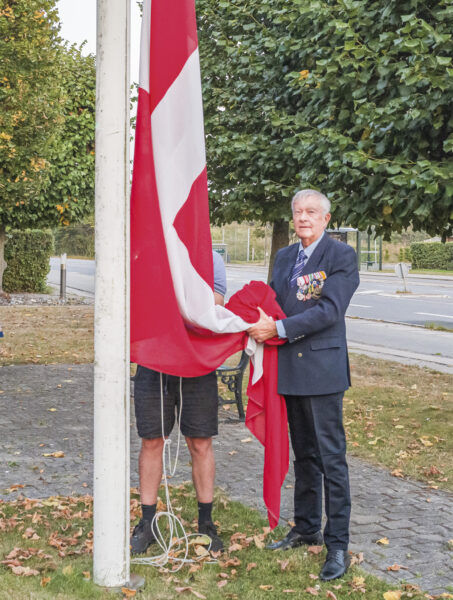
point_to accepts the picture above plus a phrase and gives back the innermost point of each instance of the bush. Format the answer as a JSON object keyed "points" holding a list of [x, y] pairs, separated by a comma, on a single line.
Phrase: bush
{"points": [[433, 255], [27, 254], [77, 240]]}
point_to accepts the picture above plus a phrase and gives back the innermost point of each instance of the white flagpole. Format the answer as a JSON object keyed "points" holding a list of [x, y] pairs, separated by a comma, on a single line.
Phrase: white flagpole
{"points": [[111, 368]]}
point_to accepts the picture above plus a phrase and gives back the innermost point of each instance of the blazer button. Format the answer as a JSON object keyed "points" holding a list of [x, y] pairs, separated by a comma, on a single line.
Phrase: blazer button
{"points": [[300, 354]]}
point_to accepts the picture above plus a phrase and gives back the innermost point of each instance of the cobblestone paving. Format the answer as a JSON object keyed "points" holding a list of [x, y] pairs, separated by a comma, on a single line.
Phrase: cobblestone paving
{"points": [[48, 408]]}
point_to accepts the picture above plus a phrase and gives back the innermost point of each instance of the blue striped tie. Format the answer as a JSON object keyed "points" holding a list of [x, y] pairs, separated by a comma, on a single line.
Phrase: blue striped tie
{"points": [[298, 267]]}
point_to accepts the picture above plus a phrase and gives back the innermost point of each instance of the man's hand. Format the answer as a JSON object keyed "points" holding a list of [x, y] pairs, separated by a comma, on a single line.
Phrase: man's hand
{"points": [[264, 329]]}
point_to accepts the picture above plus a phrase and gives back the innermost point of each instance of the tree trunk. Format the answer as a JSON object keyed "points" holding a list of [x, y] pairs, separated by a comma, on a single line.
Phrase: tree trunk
{"points": [[280, 238], [2, 256]]}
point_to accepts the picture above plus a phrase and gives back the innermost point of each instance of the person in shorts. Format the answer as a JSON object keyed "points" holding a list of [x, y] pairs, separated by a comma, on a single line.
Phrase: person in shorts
{"points": [[199, 422]]}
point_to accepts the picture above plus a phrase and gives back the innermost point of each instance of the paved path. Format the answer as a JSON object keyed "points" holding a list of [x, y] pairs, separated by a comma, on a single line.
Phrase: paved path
{"points": [[417, 521]]}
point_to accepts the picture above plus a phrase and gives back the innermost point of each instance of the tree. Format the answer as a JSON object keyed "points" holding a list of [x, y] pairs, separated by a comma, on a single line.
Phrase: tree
{"points": [[46, 123], [68, 197], [31, 114], [351, 98]]}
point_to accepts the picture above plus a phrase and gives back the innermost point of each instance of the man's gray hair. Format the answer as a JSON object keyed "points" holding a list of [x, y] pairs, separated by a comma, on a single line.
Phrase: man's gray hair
{"points": [[302, 194]]}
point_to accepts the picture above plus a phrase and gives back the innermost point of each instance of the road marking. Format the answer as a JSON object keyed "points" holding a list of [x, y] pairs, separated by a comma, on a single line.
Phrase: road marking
{"points": [[368, 292], [360, 305], [434, 315]]}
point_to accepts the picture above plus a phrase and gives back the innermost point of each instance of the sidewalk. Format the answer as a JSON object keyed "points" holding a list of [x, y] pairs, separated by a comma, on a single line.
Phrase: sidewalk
{"points": [[417, 521]]}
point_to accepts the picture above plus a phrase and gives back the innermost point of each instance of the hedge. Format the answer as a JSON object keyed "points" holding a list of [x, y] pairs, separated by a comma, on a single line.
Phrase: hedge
{"points": [[432, 255], [75, 240], [27, 255]]}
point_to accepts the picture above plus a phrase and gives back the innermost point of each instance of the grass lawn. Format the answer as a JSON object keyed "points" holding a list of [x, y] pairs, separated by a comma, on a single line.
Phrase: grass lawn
{"points": [[48, 544], [431, 272]]}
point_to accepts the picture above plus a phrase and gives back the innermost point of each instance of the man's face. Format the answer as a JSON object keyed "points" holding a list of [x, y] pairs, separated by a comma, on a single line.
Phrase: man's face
{"points": [[309, 220]]}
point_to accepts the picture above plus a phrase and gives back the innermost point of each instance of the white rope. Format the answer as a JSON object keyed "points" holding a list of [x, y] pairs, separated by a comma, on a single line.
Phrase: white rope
{"points": [[177, 541]]}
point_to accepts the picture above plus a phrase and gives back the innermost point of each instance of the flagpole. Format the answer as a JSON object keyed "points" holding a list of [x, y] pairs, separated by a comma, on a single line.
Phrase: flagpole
{"points": [[111, 332]]}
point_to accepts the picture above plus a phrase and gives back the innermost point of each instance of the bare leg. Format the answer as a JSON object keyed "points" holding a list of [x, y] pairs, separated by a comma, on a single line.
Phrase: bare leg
{"points": [[150, 469], [203, 467]]}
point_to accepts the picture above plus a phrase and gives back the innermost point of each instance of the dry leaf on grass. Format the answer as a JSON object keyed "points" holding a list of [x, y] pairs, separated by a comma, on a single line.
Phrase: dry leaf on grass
{"points": [[128, 593], [44, 581], [358, 584], [312, 591], [283, 564], [397, 473], [222, 583], [356, 558], [251, 566], [258, 539], [392, 595], [266, 588], [330, 595], [314, 549], [235, 548], [313, 576], [289, 591], [24, 571]]}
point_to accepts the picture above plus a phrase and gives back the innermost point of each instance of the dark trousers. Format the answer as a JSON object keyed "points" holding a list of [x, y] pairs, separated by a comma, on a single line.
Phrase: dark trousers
{"points": [[319, 445]]}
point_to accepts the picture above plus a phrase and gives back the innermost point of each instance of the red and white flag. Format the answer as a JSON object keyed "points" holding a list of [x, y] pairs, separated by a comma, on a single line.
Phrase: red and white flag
{"points": [[176, 327], [171, 250]]}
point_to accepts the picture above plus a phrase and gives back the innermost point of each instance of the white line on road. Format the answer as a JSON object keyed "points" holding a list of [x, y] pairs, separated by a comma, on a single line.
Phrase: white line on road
{"points": [[360, 305], [434, 315], [366, 292]]}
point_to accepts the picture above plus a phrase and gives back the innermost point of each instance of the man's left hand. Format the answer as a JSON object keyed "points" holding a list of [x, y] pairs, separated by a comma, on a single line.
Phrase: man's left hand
{"points": [[264, 329]]}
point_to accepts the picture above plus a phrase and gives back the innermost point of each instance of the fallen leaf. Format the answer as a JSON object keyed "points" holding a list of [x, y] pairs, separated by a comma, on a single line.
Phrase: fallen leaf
{"points": [[233, 452], [52, 409], [330, 595], [128, 593], [222, 583], [58, 454], [357, 559], [251, 566], [45, 581], [397, 473], [24, 571], [204, 540], [313, 576], [289, 591], [395, 567], [234, 547], [358, 584], [223, 575], [314, 549], [246, 440], [67, 570], [283, 564], [258, 542], [267, 588], [198, 594], [425, 441], [312, 591], [392, 595], [383, 541], [86, 575]]}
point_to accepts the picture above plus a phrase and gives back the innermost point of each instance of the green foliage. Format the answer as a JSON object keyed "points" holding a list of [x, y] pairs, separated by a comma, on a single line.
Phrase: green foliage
{"points": [[433, 255], [77, 240], [352, 98], [27, 253], [69, 195], [31, 114]]}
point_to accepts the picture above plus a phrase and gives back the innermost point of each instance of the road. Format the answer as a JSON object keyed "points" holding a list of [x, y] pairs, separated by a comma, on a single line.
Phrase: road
{"points": [[381, 322]]}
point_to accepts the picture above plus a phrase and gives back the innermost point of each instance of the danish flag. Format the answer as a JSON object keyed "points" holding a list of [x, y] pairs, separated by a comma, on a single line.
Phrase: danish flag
{"points": [[176, 327]]}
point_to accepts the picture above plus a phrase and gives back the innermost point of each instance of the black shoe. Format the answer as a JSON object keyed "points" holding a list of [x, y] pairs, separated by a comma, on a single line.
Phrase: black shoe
{"points": [[336, 565], [142, 537], [294, 539], [208, 528]]}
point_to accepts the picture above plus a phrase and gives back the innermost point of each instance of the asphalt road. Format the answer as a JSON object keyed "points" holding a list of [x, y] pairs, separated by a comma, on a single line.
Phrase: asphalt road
{"points": [[381, 322]]}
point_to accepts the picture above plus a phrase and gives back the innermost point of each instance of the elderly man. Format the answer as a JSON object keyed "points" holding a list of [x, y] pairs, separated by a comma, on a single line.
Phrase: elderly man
{"points": [[314, 280]]}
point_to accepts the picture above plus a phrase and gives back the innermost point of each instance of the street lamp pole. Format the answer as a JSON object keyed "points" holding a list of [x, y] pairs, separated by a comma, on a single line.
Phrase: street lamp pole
{"points": [[111, 368]]}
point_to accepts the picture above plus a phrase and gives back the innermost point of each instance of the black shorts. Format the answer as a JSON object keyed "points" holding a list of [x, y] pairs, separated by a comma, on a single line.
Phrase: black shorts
{"points": [[199, 416]]}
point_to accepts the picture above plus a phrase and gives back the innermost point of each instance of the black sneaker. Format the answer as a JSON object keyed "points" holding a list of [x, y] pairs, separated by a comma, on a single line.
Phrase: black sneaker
{"points": [[142, 537], [208, 528]]}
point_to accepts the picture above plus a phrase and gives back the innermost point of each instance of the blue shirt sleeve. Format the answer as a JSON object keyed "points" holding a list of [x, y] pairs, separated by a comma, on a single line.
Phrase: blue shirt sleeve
{"points": [[220, 282], [280, 329]]}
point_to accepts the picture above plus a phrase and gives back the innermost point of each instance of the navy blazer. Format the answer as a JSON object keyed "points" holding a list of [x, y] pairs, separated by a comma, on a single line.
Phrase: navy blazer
{"points": [[315, 359]]}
